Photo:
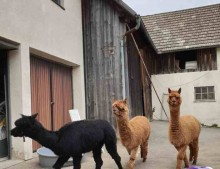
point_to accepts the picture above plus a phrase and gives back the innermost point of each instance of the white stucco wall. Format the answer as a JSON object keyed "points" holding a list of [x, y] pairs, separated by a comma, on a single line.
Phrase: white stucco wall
{"points": [[207, 112], [43, 28]]}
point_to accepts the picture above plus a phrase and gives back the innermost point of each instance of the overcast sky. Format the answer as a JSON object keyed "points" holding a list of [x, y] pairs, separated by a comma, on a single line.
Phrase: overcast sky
{"points": [[148, 7]]}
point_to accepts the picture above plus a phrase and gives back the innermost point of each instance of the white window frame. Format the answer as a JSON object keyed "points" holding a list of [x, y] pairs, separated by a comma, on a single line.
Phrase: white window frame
{"points": [[204, 94]]}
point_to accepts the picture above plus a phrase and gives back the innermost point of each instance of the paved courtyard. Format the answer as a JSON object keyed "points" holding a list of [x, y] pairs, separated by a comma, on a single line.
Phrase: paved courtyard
{"points": [[161, 155]]}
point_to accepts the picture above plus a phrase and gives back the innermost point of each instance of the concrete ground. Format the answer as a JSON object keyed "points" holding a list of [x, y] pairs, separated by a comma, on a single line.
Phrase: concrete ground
{"points": [[161, 155]]}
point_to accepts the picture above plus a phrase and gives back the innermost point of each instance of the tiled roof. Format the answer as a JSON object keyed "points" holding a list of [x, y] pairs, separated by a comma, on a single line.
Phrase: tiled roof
{"points": [[185, 29]]}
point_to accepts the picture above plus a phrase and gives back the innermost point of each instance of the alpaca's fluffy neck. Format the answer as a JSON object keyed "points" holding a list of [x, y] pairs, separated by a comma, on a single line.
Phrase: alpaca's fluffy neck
{"points": [[124, 128], [45, 137], [175, 126]]}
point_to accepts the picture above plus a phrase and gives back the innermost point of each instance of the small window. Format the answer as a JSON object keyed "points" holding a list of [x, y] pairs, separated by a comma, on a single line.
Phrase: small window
{"points": [[204, 93], [186, 61]]}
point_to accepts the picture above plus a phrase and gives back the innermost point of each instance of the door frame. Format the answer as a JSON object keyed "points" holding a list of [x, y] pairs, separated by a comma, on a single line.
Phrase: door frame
{"points": [[6, 93]]}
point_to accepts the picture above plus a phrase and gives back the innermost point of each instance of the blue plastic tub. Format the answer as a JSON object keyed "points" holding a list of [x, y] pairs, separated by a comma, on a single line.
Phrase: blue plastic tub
{"points": [[47, 158]]}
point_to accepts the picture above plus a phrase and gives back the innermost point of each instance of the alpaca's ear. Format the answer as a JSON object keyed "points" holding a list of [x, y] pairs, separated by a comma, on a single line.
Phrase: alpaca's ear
{"points": [[179, 91], [169, 90], [125, 101], [34, 115]]}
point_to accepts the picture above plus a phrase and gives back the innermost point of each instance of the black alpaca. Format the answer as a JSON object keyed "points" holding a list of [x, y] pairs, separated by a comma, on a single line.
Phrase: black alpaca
{"points": [[71, 140]]}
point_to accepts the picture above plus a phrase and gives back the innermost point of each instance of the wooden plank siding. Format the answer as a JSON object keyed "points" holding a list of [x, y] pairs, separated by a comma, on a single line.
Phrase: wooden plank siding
{"points": [[135, 82], [102, 35], [149, 60], [103, 28], [206, 59], [166, 63]]}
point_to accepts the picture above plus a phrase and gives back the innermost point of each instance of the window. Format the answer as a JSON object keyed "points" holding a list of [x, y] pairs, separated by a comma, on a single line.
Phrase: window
{"points": [[186, 61], [204, 93]]}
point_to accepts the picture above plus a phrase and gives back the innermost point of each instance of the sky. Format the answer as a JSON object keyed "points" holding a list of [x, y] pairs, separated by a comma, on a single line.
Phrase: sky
{"points": [[149, 7]]}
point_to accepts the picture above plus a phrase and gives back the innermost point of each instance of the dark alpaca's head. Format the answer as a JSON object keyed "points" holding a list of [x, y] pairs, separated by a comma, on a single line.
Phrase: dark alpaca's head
{"points": [[174, 98], [25, 126], [120, 108]]}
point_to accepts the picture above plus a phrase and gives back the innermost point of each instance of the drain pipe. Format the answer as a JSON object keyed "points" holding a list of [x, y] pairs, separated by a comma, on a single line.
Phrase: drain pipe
{"points": [[138, 21]]}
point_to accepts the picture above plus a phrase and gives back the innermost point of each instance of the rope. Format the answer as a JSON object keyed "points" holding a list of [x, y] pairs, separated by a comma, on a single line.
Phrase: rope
{"points": [[145, 67]]}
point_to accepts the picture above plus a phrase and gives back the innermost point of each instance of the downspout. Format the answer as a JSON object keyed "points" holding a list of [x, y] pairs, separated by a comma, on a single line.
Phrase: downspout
{"points": [[138, 21]]}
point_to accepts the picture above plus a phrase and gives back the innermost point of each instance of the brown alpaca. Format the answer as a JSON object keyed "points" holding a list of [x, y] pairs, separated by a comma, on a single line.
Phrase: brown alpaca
{"points": [[183, 131], [133, 133]]}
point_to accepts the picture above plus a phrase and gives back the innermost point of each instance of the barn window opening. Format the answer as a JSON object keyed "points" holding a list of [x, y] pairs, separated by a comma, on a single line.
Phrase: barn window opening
{"points": [[186, 61], [204, 93]]}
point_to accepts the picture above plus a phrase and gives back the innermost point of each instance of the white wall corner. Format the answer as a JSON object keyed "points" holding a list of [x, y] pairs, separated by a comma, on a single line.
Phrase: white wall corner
{"points": [[79, 90], [20, 95]]}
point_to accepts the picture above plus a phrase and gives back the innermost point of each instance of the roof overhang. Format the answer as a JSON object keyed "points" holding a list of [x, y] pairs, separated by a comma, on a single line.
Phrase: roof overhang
{"points": [[133, 16], [6, 44]]}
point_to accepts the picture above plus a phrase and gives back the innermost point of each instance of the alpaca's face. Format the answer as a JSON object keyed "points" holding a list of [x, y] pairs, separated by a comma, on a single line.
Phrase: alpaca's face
{"points": [[174, 98], [119, 108], [17, 132], [23, 125]]}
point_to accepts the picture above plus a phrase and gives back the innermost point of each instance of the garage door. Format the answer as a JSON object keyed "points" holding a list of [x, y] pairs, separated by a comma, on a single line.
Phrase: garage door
{"points": [[51, 93]]}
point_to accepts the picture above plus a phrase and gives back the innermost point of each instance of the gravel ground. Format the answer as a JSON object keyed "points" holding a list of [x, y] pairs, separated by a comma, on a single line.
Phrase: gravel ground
{"points": [[161, 154]]}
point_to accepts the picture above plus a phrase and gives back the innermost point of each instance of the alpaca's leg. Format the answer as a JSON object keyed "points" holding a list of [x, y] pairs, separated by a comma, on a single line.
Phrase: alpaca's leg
{"points": [[191, 154], [129, 151], [186, 161], [77, 161], [112, 150], [141, 149], [60, 162], [195, 150], [97, 157], [144, 150], [181, 156], [132, 158]]}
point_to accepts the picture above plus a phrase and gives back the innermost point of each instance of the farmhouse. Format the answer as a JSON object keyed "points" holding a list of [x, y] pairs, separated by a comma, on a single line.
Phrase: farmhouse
{"points": [[41, 67], [59, 55], [187, 45]]}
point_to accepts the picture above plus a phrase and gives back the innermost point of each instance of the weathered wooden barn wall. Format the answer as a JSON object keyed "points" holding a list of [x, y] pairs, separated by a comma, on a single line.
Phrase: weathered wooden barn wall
{"points": [[167, 63], [134, 74], [149, 56], [205, 56], [103, 77], [139, 81], [104, 26]]}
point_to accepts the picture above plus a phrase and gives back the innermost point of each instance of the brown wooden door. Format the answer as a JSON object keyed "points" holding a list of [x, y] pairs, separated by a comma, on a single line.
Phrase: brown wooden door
{"points": [[51, 93], [61, 95]]}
